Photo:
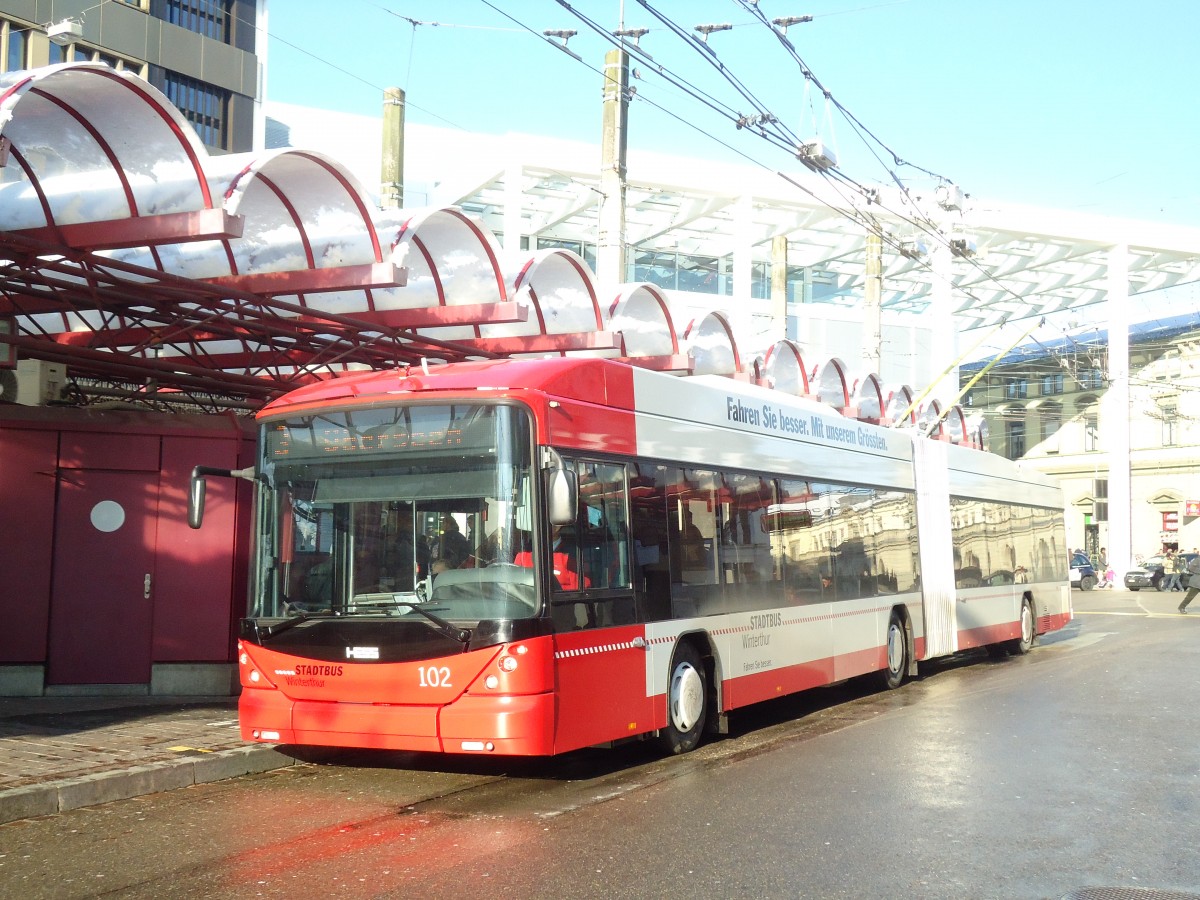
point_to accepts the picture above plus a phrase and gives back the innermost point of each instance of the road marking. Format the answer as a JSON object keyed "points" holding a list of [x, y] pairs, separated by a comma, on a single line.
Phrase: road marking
{"points": [[1098, 612]]}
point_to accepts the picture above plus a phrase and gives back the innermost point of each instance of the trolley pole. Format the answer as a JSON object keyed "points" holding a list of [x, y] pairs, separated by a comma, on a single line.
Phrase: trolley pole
{"points": [[391, 176]]}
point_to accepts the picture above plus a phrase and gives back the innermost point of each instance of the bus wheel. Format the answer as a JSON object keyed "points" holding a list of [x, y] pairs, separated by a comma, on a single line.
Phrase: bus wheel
{"points": [[1022, 645], [687, 700], [897, 654]]}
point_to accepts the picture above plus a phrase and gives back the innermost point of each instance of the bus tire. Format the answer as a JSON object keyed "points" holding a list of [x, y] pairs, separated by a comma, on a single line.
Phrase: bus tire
{"points": [[1023, 644], [687, 700], [897, 654]]}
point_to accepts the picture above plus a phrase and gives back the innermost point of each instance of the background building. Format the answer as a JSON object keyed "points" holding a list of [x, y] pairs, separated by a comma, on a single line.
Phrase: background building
{"points": [[205, 55], [1050, 403]]}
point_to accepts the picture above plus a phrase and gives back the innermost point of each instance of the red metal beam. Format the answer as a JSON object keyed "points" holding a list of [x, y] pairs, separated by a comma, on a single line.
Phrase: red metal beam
{"points": [[546, 343], [310, 281], [141, 231], [434, 316]]}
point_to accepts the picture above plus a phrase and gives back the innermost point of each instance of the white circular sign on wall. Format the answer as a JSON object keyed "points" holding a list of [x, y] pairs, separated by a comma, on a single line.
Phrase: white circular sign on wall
{"points": [[108, 515]]}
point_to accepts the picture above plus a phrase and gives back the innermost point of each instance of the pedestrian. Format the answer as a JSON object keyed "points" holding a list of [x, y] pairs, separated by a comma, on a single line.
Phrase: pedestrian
{"points": [[1193, 568], [1103, 568], [1170, 573]]}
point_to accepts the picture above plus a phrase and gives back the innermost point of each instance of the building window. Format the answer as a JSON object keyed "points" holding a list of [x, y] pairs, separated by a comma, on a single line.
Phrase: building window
{"points": [[204, 105], [16, 46], [207, 17], [1051, 420], [81, 53], [1100, 500], [1091, 379], [1052, 384], [1016, 388], [583, 248], [1014, 433], [1170, 424], [1091, 431], [677, 271]]}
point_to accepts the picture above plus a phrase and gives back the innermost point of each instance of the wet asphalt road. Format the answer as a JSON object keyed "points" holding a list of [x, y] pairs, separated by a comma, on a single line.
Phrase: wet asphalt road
{"points": [[1075, 767]]}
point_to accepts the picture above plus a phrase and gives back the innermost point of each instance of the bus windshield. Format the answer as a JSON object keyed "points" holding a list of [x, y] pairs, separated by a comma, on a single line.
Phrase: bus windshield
{"points": [[410, 511]]}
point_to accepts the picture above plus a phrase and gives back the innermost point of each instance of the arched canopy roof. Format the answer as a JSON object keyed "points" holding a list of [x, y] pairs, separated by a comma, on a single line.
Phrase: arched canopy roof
{"points": [[711, 345], [140, 262], [830, 384], [783, 369], [867, 397]]}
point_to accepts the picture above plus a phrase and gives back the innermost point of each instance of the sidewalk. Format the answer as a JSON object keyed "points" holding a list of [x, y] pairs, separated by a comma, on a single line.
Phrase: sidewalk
{"points": [[61, 753]]}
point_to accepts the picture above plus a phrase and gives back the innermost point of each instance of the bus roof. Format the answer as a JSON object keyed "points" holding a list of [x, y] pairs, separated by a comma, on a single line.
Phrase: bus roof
{"points": [[574, 377]]}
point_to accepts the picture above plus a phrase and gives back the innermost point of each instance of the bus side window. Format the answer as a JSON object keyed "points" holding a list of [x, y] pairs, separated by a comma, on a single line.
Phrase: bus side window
{"points": [[604, 530], [651, 558]]}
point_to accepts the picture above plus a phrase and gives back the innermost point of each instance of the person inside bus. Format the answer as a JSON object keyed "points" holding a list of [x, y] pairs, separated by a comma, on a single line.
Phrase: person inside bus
{"points": [[452, 547], [368, 571], [566, 577], [410, 550], [828, 588]]}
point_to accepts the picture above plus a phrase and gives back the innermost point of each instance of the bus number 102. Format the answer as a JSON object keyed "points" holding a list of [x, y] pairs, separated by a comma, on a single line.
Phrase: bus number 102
{"points": [[434, 676]]}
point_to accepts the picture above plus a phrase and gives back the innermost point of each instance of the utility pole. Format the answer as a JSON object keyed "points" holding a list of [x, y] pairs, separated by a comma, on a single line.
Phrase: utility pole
{"points": [[391, 177], [872, 339], [779, 274], [610, 242]]}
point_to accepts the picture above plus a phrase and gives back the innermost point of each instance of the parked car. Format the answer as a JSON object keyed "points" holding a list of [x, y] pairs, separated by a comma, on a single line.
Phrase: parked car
{"points": [[1150, 573], [1083, 573]]}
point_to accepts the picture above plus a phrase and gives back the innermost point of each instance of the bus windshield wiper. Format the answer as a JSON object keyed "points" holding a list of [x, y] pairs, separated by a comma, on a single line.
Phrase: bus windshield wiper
{"points": [[462, 635], [295, 617]]}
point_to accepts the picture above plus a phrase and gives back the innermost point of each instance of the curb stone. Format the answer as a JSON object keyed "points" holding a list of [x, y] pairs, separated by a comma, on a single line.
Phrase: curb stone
{"points": [[66, 794]]}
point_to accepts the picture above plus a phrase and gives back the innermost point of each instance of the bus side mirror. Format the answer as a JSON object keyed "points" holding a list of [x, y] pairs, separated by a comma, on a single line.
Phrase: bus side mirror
{"points": [[562, 497], [198, 484], [196, 497]]}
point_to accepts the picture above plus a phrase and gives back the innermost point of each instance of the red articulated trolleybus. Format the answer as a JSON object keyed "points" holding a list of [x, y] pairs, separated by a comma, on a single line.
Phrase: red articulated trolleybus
{"points": [[528, 557]]}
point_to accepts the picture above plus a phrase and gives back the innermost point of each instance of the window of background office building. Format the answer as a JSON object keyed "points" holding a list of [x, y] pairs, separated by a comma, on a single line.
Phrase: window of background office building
{"points": [[204, 105], [83, 53], [210, 18], [16, 46]]}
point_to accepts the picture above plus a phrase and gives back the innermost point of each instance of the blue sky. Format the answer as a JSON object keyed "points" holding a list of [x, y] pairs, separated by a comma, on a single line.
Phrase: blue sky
{"points": [[1087, 106]]}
